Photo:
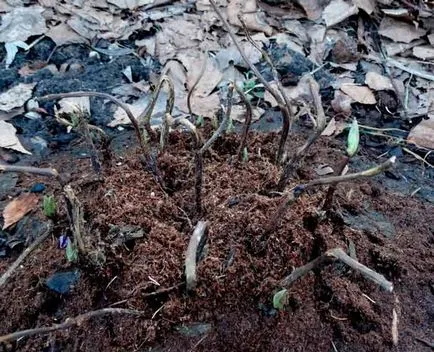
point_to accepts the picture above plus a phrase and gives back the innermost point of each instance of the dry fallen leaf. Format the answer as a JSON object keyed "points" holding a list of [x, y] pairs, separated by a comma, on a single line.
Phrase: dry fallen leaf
{"points": [[431, 39], [424, 52], [21, 23], [8, 138], [323, 170], [73, 105], [399, 31], [19, 207], [376, 81], [423, 134], [239, 113], [342, 103], [360, 94], [312, 8], [16, 96], [63, 34], [129, 4], [337, 11], [250, 15], [366, 5], [330, 129]]}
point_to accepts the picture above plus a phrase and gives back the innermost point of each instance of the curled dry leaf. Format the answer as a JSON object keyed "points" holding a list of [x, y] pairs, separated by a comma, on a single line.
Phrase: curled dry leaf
{"points": [[360, 94], [19, 207], [16, 96], [376, 81], [8, 138], [400, 31]]}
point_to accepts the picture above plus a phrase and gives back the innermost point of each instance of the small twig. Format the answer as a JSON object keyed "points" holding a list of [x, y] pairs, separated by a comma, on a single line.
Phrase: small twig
{"points": [[68, 323], [104, 96], [418, 157], [333, 254], [224, 124], [30, 169], [199, 234], [7, 274], [247, 122], [426, 342], [321, 122]]}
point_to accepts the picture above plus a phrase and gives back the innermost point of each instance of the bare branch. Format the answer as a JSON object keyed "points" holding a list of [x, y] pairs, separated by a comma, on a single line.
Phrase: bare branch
{"points": [[199, 233], [17, 263], [69, 323]]}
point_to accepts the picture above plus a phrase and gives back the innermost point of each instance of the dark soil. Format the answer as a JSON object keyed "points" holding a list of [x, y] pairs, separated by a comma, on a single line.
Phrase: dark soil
{"points": [[231, 308]]}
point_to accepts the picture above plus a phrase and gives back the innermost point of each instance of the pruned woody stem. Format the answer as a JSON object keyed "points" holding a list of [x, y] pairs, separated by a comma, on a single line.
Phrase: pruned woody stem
{"points": [[278, 94], [198, 158], [337, 254], [290, 197]]}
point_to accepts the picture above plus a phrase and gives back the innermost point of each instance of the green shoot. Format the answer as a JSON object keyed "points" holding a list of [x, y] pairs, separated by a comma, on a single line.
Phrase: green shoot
{"points": [[280, 299], [71, 252], [245, 155], [353, 139], [49, 206]]}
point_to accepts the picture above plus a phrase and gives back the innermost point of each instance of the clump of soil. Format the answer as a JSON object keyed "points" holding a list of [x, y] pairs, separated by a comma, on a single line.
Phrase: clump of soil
{"points": [[231, 308]]}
